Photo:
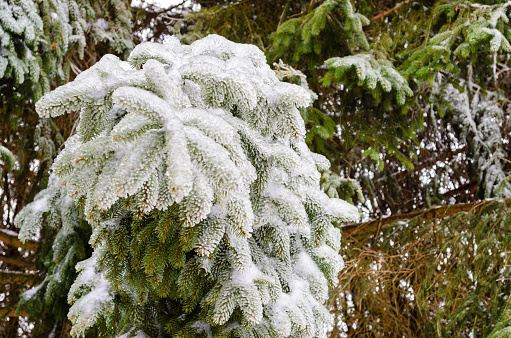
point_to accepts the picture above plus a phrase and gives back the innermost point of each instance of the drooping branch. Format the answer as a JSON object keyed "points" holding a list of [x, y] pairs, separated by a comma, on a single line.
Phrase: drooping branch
{"points": [[364, 230], [472, 185], [9, 238]]}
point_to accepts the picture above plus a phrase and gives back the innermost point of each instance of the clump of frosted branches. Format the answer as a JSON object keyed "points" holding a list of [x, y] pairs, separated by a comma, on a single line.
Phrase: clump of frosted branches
{"points": [[191, 164]]}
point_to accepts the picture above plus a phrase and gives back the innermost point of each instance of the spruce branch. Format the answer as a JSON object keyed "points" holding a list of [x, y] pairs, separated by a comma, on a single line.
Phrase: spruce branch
{"points": [[7, 158]]}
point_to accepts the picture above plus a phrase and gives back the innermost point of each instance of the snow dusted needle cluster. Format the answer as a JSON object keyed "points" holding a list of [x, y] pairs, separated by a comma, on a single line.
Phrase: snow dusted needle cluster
{"points": [[208, 218]]}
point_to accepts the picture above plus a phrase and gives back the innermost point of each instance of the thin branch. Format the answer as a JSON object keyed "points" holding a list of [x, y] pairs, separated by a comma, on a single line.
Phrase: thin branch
{"points": [[5, 312], [367, 229], [469, 186], [75, 68], [390, 11]]}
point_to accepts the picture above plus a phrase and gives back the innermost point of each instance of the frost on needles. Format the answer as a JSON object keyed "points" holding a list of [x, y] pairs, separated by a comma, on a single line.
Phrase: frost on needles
{"points": [[207, 214]]}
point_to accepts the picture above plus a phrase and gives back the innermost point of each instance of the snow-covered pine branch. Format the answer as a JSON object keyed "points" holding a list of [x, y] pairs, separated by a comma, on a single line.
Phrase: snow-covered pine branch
{"points": [[208, 218]]}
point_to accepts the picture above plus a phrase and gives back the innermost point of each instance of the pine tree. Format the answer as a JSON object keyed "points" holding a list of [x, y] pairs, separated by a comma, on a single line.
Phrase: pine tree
{"points": [[206, 211], [44, 44]]}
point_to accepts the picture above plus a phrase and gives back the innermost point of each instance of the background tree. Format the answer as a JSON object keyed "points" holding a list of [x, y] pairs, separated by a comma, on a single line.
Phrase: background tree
{"points": [[364, 78]]}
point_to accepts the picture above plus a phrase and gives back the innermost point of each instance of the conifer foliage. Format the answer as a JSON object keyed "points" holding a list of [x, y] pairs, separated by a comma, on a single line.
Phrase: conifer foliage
{"points": [[43, 43], [207, 215], [53, 215], [332, 35], [7, 157], [35, 37]]}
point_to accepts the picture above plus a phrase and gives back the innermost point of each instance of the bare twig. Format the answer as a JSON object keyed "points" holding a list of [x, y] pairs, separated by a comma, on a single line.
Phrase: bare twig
{"points": [[390, 11], [17, 277]]}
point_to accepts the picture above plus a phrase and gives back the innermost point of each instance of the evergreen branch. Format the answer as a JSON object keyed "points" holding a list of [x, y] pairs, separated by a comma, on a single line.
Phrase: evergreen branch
{"points": [[364, 230], [304, 34], [376, 76], [285, 12], [9, 238], [7, 158]]}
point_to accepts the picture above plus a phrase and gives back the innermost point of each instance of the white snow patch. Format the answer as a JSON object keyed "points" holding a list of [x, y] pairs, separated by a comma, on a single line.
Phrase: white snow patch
{"points": [[203, 327], [99, 295], [102, 23], [31, 292], [246, 277], [342, 210], [40, 205], [218, 211], [9, 232], [305, 266]]}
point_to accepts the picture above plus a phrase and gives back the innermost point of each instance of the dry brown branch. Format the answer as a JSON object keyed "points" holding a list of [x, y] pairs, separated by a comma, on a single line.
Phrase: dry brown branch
{"points": [[366, 229], [5, 312], [18, 262], [421, 275], [18, 277], [8, 238], [469, 186]]}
